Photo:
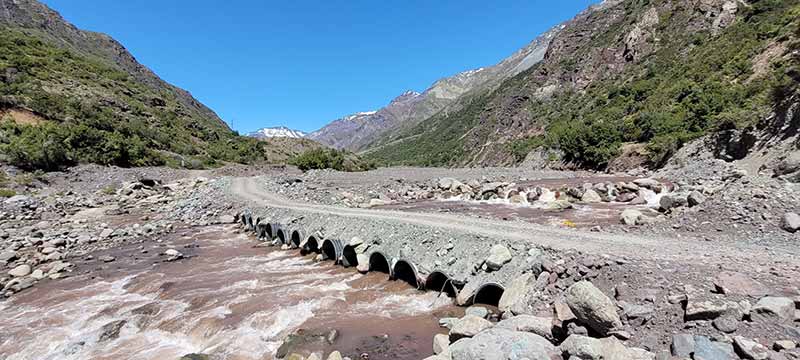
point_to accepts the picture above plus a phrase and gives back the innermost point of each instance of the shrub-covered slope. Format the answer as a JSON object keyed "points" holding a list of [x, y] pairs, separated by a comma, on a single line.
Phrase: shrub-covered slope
{"points": [[633, 71], [67, 95]]}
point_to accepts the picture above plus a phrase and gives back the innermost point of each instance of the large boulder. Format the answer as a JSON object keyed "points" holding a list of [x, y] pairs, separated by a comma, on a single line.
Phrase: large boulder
{"points": [[593, 308], [591, 196], [441, 344], [631, 217], [516, 294], [528, 323], [773, 308], [586, 348], [468, 326], [502, 344], [499, 255], [671, 201]]}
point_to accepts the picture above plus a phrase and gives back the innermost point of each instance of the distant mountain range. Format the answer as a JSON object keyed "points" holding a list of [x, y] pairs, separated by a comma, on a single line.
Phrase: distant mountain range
{"points": [[277, 131]]}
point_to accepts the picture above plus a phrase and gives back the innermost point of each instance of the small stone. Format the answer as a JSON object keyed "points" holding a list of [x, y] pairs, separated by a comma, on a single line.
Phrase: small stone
{"points": [[20, 271], [478, 311], [363, 263], [107, 258], [591, 196], [695, 198], [631, 217], [682, 345], [335, 356], [106, 233], [529, 323], [784, 345]]}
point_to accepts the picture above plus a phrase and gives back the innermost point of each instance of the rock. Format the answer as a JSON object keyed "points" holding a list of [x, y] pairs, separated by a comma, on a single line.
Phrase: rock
{"points": [[739, 284], [648, 183], [314, 356], [111, 330], [695, 198], [515, 293], [448, 322], [529, 323], [441, 343], [749, 349], [586, 348], [499, 255], [672, 201], [726, 323], [226, 219], [682, 345], [593, 308], [8, 256], [446, 183], [705, 349], [704, 310], [773, 308], [106, 233], [631, 217], [173, 254], [20, 271], [468, 326], [591, 196], [790, 222], [558, 205], [195, 357], [502, 344], [784, 345], [107, 258], [563, 312], [478, 311], [363, 263], [335, 356]]}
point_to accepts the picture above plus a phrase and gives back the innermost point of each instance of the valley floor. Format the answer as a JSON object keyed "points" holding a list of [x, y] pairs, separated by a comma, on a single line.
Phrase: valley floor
{"points": [[696, 272]]}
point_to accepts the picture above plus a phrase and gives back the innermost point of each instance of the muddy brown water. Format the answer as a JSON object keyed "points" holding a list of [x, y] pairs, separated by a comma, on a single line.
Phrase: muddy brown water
{"points": [[230, 299]]}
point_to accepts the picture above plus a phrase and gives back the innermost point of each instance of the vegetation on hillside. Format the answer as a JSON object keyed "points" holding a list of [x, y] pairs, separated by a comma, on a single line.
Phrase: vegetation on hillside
{"points": [[94, 112], [693, 84], [325, 158]]}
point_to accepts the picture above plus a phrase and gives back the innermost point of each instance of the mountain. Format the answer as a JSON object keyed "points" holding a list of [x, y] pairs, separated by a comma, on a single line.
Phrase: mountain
{"points": [[654, 74], [278, 131], [88, 97], [368, 129]]}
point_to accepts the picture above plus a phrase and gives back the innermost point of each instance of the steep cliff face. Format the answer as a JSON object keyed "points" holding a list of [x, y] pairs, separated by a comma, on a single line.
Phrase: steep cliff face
{"points": [[365, 130], [654, 72]]}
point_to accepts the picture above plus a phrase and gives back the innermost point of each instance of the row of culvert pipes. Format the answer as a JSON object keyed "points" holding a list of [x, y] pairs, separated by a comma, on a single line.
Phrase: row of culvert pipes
{"points": [[336, 250]]}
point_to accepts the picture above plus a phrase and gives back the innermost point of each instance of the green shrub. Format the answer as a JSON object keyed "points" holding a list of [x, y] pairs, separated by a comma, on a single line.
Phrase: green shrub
{"points": [[322, 158], [7, 193]]}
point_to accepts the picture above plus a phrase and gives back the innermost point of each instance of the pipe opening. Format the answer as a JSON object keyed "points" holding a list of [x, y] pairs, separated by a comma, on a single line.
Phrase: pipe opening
{"points": [[404, 271], [349, 257], [282, 236], [488, 294], [270, 234], [328, 250], [296, 238], [378, 262], [261, 232], [439, 282], [312, 245]]}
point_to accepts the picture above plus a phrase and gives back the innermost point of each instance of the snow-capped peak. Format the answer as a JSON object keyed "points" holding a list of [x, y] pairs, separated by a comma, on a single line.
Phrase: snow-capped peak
{"points": [[278, 131]]}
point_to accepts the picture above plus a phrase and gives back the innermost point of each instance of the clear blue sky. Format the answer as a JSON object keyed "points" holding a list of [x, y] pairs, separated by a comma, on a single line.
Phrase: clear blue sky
{"points": [[302, 63]]}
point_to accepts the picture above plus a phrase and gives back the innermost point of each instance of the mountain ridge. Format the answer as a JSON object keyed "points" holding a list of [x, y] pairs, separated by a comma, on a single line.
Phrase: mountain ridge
{"points": [[276, 131]]}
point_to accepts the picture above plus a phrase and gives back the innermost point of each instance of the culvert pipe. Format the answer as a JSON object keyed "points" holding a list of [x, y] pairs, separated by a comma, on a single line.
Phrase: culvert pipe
{"points": [[349, 256], [379, 262], [310, 245], [488, 294], [262, 232], [297, 236], [280, 234], [332, 249], [440, 282], [405, 270]]}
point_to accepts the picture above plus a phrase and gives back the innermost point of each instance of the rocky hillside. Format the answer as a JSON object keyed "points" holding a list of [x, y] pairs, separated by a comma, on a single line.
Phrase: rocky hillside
{"points": [[653, 73], [85, 95], [368, 129]]}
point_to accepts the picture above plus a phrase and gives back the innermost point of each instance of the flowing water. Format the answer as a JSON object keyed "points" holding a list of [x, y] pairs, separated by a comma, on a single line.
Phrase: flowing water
{"points": [[231, 299]]}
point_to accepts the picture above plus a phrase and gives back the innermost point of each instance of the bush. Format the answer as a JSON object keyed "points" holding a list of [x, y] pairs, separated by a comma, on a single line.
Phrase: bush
{"points": [[322, 158], [7, 193]]}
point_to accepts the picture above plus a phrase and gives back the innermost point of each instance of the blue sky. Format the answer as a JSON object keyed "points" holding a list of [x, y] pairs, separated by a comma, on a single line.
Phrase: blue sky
{"points": [[303, 63]]}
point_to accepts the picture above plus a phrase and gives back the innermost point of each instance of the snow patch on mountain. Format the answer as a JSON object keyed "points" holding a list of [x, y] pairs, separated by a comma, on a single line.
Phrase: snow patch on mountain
{"points": [[278, 131]]}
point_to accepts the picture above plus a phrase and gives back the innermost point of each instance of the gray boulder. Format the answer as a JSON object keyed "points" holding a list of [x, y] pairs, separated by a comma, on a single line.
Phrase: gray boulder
{"points": [[749, 349], [20, 271], [528, 323], [672, 201], [695, 198], [773, 308], [790, 222], [586, 348], [705, 349], [631, 217], [499, 255], [441, 344], [593, 308], [591, 196], [502, 344], [468, 326]]}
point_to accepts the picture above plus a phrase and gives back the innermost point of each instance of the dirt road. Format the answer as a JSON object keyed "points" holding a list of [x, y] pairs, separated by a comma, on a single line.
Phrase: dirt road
{"points": [[681, 249]]}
